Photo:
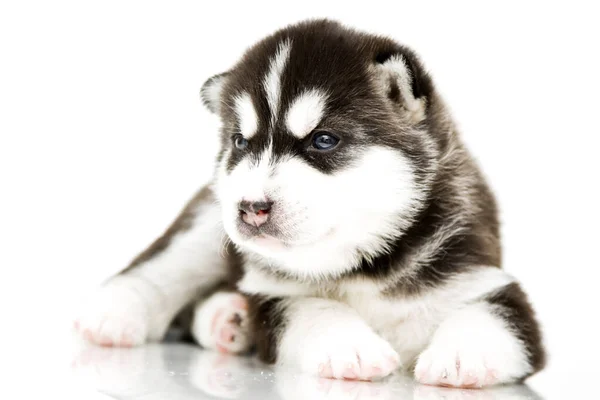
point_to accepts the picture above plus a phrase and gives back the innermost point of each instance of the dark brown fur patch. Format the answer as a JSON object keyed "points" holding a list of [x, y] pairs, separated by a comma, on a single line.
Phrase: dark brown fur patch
{"points": [[394, 92], [472, 236], [511, 304], [267, 324]]}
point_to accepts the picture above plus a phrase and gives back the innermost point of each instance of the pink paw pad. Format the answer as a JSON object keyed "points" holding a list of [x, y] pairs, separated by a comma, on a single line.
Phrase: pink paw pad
{"points": [[228, 326], [109, 333], [226, 334], [325, 371], [459, 378], [374, 371], [350, 372], [491, 377], [470, 380]]}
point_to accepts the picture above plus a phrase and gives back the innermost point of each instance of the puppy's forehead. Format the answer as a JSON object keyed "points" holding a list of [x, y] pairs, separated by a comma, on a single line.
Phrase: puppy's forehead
{"points": [[295, 77]]}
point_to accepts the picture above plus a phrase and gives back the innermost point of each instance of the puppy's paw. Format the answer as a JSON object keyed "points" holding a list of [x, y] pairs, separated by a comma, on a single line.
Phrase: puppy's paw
{"points": [[353, 354], [457, 367], [221, 323], [113, 317], [472, 350]]}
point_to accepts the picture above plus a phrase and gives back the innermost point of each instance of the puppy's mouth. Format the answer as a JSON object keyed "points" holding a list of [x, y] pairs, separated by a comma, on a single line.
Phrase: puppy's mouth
{"points": [[280, 233], [272, 242], [267, 231], [268, 237]]}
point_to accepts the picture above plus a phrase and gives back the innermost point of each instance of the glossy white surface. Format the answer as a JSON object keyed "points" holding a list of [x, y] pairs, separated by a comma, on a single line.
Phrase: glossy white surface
{"points": [[178, 371]]}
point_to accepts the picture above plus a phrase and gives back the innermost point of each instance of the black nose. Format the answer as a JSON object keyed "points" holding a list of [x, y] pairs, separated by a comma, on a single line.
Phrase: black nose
{"points": [[255, 207]]}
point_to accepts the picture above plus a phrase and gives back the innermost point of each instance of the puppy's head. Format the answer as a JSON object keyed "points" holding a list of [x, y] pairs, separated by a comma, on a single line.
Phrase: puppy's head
{"points": [[324, 145]]}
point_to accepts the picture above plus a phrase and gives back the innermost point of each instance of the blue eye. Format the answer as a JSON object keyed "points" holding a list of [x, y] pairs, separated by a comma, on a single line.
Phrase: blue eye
{"points": [[240, 142], [324, 140]]}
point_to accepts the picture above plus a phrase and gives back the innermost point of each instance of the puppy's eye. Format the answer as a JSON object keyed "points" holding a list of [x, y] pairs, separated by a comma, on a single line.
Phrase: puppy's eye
{"points": [[324, 140], [240, 142]]}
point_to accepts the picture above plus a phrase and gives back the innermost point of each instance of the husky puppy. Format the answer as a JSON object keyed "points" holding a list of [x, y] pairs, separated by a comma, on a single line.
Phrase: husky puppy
{"points": [[347, 232]]}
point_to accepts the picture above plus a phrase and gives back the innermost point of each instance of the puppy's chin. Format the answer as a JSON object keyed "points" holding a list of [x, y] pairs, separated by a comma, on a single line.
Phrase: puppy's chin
{"points": [[274, 248], [266, 246], [269, 243], [279, 249]]}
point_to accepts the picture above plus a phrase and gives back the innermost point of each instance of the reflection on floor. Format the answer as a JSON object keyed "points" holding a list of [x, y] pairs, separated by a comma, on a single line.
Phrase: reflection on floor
{"points": [[177, 371]]}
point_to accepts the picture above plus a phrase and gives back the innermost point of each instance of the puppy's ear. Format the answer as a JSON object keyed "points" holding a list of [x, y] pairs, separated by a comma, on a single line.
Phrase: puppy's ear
{"points": [[405, 82], [212, 90]]}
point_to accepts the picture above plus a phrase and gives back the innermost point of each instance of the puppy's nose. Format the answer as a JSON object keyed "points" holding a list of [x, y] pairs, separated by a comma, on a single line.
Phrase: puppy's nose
{"points": [[255, 212]]}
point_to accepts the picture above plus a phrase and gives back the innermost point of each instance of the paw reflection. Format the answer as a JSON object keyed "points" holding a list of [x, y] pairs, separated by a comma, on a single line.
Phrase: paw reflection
{"points": [[512, 392], [225, 376], [178, 371], [293, 387]]}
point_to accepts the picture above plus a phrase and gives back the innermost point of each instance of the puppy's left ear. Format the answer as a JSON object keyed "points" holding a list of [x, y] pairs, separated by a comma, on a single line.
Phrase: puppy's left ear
{"points": [[212, 92], [405, 82]]}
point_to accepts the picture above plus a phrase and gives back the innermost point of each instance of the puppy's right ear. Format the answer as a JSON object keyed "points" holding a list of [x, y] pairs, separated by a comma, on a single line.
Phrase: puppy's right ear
{"points": [[212, 90]]}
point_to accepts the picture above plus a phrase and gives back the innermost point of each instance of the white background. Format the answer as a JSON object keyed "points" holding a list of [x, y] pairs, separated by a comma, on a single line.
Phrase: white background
{"points": [[103, 138]]}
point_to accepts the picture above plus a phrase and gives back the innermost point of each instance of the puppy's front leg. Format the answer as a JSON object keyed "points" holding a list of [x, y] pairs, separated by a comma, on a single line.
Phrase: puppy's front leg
{"points": [[492, 341], [138, 304], [321, 337]]}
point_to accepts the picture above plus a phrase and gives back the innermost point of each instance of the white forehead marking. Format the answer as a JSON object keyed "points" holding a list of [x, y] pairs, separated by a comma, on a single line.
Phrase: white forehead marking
{"points": [[306, 112], [272, 82], [248, 119]]}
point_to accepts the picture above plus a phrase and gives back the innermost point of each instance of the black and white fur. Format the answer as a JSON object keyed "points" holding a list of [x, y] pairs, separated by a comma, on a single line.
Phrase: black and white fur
{"points": [[382, 252]]}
